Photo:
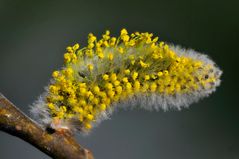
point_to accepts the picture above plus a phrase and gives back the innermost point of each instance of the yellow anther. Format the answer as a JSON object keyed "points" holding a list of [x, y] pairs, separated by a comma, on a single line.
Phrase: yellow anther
{"points": [[88, 126], [119, 89], [91, 45], [51, 105], [121, 50], [128, 85], [112, 41], [116, 83], [155, 39], [106, 43], [165, 72], [146, 77], [90, 67], [78, 109], [161, 44], [136, 85], [109, 86], [101, 55], [68, 71], [110, 56], [160, 73], [132, 42], [135, 75], [125, 79], [53, 89], [82, 85], [90, 117], [83, 91], [102, 107], [144, 65], [113, 77], [127, 71], [67, 57], [72, 101], [105, 77], [107, 32], [125, 38], [102, 94], [75, 47], [153, 76], [55, 74], [95, 101], [96, 89], [124, 32], [89, 93], [69, 49], [91, 38], [82, 102], [153, 87], [111, 93]]}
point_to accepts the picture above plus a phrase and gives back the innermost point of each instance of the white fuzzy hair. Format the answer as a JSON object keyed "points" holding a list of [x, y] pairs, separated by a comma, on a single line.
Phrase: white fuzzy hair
{"points": [[40, 111]]}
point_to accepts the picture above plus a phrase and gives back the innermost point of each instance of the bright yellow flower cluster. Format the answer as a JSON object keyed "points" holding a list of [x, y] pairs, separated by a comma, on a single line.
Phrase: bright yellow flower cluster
{"points": [[112, 69]]}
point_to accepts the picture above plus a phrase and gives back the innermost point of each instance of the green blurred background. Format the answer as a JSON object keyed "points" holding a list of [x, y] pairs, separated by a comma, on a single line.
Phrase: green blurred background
{"points": [[33, 37]]}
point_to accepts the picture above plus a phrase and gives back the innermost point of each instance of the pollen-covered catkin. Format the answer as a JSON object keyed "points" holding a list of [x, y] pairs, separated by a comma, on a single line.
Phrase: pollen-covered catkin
{"points": [[129, 70]]}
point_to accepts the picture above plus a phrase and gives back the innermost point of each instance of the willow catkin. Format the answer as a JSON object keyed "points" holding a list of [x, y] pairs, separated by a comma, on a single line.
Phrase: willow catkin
{"points": [[128, 71]]}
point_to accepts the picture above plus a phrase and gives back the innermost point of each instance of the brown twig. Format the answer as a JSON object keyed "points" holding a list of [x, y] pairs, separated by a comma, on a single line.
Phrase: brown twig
{"points": [[56, 145]]}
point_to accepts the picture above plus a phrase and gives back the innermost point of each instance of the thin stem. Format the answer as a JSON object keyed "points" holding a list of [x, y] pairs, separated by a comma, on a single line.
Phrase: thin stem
{"points": [[56, 145]]}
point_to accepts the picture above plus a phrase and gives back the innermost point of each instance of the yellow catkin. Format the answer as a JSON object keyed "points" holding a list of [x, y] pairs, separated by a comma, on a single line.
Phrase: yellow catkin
{"points": [[112, 69]]}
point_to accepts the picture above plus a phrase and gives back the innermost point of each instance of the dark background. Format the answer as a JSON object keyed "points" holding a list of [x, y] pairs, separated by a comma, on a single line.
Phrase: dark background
{"points": [[33, 37]]}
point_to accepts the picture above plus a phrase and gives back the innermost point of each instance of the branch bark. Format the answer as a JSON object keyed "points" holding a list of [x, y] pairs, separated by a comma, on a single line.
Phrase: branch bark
{"points": [[56, 145]]}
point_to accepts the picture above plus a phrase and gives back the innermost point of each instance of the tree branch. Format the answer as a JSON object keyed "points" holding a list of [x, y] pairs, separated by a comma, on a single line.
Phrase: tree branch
{"points": [[56, 145]]}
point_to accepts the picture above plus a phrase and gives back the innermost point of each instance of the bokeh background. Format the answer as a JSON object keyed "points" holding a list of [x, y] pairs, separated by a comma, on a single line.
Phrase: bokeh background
{"points": [[33, 37]]}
